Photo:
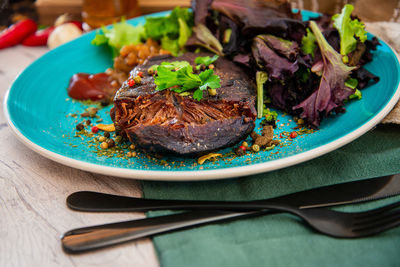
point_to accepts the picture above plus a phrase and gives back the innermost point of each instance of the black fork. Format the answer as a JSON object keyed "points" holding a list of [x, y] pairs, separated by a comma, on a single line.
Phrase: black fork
{"points": [[329, 222]]}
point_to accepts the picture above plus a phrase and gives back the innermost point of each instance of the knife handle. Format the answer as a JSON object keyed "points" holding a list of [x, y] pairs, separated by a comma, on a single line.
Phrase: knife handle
{"points": [[95, 237], [101, 202]]}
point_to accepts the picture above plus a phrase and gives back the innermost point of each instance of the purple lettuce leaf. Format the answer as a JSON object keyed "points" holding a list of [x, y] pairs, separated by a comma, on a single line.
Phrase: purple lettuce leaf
{"points": [[370, 46], [201, 8], [289, 29], [245, 19], [331, 92], [288, 49], [277, 67], [364, 77], [229, 34], [253, 13], [244, 59]]}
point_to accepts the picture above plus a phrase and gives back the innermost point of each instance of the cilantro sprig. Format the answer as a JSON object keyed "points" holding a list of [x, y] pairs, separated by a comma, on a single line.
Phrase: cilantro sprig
{"points": [[178, 76], [206, 61]]}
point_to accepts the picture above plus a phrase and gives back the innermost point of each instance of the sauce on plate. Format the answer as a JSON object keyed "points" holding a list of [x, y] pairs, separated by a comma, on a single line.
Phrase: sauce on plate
{"points": [[83, 86]]}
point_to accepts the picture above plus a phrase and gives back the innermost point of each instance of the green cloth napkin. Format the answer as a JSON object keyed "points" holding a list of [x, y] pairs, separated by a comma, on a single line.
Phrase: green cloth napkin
{"points": [[281, 239]]}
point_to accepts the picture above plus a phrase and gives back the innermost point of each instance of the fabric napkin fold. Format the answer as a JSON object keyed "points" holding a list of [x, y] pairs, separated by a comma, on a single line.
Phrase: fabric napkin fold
{"points": [[281, 239]]}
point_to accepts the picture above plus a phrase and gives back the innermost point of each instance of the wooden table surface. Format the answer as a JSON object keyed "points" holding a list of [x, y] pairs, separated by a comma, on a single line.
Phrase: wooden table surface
{"points": [[33, 189]]}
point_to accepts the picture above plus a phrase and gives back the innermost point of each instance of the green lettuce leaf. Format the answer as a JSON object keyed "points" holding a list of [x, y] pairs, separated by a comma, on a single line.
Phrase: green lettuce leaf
{"points": [[308, 43], [348, 30], [184, 32], [173, 31], [352, 83], [170, 45], [119, 35]]}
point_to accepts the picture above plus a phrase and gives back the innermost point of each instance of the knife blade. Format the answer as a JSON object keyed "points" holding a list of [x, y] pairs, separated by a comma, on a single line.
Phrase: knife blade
{"points": [[99, 236], [337, 194]]}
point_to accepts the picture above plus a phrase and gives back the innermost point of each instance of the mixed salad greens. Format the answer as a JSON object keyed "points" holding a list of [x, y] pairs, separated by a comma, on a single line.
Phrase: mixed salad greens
{"points": [[172, 31], [308, 69]]}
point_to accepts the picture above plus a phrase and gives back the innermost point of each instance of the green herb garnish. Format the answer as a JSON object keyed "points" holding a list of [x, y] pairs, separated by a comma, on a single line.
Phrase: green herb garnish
{"points": [[270, 115], [178, 76], [206, 61], [175, 65]]}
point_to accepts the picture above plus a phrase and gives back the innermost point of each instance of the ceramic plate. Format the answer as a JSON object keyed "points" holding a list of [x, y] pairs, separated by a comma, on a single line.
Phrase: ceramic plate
{"points": [[37, 109]]}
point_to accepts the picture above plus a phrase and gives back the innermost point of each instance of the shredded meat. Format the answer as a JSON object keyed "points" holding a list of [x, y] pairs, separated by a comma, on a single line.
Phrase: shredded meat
{"points": [[164, 121]]}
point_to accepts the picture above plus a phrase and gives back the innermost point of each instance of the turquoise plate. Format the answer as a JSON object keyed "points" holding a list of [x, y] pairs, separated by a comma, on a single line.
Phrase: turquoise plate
{"points": [[37, 108]]}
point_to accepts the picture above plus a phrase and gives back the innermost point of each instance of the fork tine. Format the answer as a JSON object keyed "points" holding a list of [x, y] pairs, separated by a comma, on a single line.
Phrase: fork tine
{"points": [[377, 223], [377, 211], [379, 229], [375, 217]]}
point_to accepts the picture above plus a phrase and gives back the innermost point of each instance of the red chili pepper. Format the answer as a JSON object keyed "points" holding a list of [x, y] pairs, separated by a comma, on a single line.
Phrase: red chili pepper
{"points": [[95, 129], [131, 82], [140, 73], [293, 135], [242, 147], [17, 32], [38, 38]]}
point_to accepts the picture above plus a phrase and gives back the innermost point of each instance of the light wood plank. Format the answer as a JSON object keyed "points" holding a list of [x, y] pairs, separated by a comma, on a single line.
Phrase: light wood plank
{"points": [[33, 214]]}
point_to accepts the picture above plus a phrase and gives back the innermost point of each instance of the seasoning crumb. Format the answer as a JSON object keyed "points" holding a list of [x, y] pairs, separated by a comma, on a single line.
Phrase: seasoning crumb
{"points": [[255, 148], [110, 143], [79, 127], [104, 145], [202, 159]]}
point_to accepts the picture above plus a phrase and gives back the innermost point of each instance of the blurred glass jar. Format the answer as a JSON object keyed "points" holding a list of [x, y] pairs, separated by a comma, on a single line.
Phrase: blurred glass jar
{"points": [[96, 13]]}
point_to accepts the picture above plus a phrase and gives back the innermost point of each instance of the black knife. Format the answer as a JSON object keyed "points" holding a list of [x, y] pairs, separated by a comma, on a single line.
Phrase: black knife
{"points": [[338, 194], [94, 237]]}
